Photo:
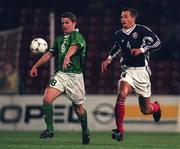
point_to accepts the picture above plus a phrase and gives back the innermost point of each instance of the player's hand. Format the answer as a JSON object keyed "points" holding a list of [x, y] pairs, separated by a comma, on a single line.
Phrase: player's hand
{"points": [[67, 62], [33, 72], [105, 64], [136, 51]]}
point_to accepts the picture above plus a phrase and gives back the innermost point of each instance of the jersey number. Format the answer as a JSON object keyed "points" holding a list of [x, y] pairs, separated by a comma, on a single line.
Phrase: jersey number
{"points": [[53, 82], [128, 45], [123, 75]]}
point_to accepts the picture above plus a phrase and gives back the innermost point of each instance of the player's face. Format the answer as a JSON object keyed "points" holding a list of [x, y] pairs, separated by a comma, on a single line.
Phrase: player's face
{"points": [[67, 25], [127, 20]]}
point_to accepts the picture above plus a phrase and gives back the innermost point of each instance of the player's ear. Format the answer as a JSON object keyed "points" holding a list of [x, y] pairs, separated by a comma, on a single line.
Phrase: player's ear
{"points": [[74, 23]]}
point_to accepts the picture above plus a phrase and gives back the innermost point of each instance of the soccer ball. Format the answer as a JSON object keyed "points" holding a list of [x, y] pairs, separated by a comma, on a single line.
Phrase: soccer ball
{"points": [[38, 46]]}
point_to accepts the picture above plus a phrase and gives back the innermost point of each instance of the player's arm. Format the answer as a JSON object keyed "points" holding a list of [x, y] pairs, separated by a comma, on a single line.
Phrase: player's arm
{"points": [[67, 60], [151, 42], [115, 50], [44, 59], [105, 63]]}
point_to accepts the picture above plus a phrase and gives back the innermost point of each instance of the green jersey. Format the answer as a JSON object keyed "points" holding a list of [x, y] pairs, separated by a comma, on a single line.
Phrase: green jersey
{"points": [[61, 47]]}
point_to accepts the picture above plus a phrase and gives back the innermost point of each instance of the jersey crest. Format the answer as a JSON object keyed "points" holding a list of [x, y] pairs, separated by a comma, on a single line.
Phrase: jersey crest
{"points": [[135, 35]]}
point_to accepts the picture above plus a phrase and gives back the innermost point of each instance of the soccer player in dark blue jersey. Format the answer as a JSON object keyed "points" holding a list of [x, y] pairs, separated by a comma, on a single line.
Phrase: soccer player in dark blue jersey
{"points": [[133, 42]]}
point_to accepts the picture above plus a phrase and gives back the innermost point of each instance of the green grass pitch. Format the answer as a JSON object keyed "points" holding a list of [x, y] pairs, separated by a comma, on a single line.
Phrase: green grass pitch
{"points": [[99, 140]]}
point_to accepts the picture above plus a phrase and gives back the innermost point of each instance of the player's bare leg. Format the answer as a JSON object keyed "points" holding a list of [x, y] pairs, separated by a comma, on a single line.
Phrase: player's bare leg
{"points": [[123, 92], [150, 108], [82, 116], [49, 96]]}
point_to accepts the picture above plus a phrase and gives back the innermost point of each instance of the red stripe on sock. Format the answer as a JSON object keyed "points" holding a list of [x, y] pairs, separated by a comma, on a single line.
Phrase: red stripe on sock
{"points": [[119, 114]]}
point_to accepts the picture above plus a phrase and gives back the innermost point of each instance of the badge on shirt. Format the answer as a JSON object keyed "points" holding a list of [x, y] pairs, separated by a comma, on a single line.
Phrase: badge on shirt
{"points": [[135, 35]]}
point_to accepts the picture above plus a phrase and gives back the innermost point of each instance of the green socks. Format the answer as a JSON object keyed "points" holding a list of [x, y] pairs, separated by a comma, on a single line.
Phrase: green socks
{"points": [[48, 115], [48, 118], [83, 120]]}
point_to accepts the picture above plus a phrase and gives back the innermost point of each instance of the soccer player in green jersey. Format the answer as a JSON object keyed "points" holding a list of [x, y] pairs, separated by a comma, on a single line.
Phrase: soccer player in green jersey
{"points": [[69, 51]]}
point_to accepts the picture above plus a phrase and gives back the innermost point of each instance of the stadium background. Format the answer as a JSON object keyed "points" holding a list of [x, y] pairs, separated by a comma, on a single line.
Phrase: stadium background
{"points": [[21, 21]]}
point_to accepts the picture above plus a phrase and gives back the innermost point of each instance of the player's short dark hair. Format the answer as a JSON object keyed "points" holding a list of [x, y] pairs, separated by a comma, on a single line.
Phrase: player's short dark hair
{"points": [[69, 15], [133, 12]]}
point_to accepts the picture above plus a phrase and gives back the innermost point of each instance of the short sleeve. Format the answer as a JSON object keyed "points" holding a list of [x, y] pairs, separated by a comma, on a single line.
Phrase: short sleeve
{"points": [[77, 39]]}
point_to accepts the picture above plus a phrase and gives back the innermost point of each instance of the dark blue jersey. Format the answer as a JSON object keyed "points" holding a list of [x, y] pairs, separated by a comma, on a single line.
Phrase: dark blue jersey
{"points": [[138, 36]]}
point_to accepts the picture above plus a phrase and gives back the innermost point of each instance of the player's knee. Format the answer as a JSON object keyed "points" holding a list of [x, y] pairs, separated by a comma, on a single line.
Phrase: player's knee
{"points": [[122, 95], [47, 99], [78, 110]]}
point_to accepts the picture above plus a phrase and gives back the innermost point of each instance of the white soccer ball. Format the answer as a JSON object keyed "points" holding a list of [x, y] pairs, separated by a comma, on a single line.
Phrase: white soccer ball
{"points": [[38, 46]]}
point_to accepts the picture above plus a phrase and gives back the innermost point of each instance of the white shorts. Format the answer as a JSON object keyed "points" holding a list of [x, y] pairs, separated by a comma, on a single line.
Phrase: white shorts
{"points": [[139, 79], [72, 84]]}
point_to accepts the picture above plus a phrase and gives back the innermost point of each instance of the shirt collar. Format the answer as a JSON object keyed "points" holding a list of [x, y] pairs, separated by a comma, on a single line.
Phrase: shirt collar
{"points": [[128, 31]]}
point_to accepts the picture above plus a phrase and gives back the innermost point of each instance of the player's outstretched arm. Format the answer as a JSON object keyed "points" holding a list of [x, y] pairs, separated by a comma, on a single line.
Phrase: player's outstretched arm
{"points": [[67, 60], [45, 58], [104, 64], [33, 72]]}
